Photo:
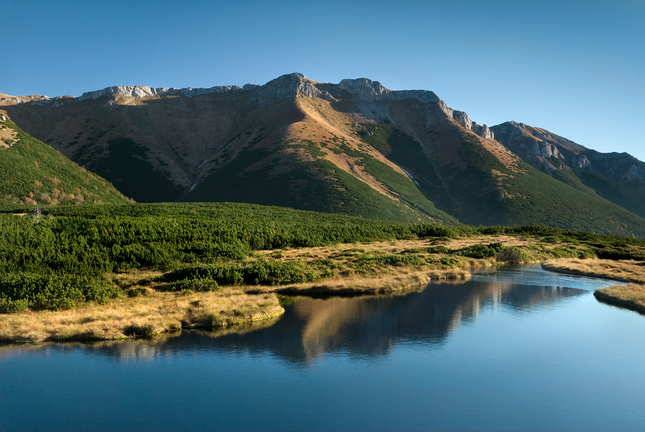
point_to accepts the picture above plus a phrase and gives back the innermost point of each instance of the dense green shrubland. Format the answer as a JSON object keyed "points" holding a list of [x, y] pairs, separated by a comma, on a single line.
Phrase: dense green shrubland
{"points": [[58, 259]]}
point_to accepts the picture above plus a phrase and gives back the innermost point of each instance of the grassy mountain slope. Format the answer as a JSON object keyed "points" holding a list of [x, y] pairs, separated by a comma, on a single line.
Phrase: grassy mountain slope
{"points": [[479, 181], [32, 173], [308, 164], [617, 177], [486, 185]]}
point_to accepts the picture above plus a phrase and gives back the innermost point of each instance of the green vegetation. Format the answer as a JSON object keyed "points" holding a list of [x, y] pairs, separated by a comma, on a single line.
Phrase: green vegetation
{"points": [[406, 152], [257, 273], [37, 252], [71, 254], [526, 195], [402, 149], [314, 183], [33, 174], [133, 175]]}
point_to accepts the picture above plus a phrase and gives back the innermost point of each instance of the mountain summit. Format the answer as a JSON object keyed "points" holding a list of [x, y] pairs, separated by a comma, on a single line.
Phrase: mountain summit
{"points": [[354, 147]]}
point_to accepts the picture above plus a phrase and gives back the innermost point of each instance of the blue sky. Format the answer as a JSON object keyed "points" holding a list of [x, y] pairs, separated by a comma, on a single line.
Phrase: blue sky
{"points": [[576, 68]]}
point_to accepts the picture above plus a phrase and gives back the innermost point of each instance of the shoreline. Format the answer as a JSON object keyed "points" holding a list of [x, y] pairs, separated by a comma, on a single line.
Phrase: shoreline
{"points": [[148, 308], [147, 316], [156, 312], [630, 296], [614, 296]]}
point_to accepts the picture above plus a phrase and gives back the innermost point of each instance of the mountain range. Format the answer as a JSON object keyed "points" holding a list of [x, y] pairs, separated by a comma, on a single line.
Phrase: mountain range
{"points": [[354, 147]]}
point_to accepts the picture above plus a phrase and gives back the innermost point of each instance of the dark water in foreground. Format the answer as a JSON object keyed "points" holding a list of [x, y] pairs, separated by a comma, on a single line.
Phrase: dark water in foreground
{"points": [[521, 349]]}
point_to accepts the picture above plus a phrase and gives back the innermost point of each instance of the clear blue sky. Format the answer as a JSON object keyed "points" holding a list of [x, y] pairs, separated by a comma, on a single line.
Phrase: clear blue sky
{"points": [[576, 68]]}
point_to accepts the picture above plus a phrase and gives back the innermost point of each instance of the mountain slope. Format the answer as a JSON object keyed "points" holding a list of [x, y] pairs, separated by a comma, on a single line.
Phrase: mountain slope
{"points": [[353, 147], [32, 173], [618, 177], [479, 181]]}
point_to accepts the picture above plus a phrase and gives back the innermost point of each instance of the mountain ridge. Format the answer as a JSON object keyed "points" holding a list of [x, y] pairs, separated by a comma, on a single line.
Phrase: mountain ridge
{"points": [[354, 147]]}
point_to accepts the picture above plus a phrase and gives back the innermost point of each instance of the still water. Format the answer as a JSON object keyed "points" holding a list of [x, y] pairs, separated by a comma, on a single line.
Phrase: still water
{"points": [[518, 349]]}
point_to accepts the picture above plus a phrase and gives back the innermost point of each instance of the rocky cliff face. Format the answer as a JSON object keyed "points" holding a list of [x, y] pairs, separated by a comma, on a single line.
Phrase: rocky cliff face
{"points": [[550, 152], [533, 146]]}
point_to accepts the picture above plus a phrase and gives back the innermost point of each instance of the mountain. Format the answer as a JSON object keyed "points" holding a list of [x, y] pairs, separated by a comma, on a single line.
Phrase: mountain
{"points": [[618, 177], [32, 173], [353, 147]]}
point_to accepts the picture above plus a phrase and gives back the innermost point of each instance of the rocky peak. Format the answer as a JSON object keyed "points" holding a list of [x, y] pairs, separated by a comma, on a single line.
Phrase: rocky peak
{"points": [[15, 100], [512, 129], [370, 91], [289, 86], [371, 97], [364, 89], [138, 91]]}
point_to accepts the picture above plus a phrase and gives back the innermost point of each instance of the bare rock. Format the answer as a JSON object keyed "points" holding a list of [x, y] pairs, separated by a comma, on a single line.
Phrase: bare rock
{"points": [[581, 163]]}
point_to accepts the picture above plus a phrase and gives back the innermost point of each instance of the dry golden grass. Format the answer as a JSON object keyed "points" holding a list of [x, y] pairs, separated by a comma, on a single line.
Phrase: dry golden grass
{"points": [[385, 279], [621, 270], [390, 280], [630, 296], [148, 315], [387, 247]]}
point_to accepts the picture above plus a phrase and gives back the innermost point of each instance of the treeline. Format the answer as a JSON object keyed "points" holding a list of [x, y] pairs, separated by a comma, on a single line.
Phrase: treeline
{"points": [[62, 257]]}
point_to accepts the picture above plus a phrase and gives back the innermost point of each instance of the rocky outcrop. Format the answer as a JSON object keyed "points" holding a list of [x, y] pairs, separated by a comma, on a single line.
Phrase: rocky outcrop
{"points": [[581, 163], [373, 91], [486, 133], [537, 147], [141, 91], [365, 91], [289, 87], [618, 177], [464, 121], [635, 174]]}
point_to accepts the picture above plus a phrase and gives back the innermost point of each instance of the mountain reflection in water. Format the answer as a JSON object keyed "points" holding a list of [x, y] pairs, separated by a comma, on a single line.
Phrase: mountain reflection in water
{"points": [[364, 326]]}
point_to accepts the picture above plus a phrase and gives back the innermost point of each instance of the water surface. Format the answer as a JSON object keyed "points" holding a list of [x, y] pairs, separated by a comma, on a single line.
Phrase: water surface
{"points": [[518, 349]]}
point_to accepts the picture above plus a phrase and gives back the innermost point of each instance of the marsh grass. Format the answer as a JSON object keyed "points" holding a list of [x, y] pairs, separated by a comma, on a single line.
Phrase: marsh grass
{"points": [[147, 316], [630, 296], [622, 270]]}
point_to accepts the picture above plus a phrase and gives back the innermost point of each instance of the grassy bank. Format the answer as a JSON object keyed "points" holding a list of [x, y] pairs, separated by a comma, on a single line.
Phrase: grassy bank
{"points": [[156, 268], [619, 270], [148, 315], [631, 296]]}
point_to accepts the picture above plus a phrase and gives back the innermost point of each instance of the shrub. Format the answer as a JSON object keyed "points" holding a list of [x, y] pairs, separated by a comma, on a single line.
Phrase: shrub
{"points": [[258, 273], [481, 250], [512, 255], [193, 284], [450, 262], [20, 290]]}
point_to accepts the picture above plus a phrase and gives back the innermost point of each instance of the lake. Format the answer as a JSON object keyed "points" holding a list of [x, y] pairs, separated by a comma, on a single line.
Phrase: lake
{"points": [[513, 349]]}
